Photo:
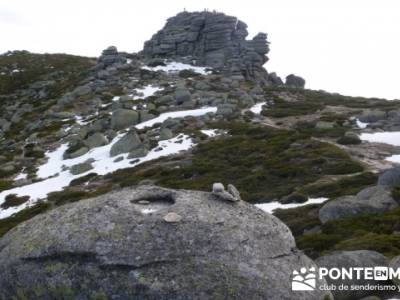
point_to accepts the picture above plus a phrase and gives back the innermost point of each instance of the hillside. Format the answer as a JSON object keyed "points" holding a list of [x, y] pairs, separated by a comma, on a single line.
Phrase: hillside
{"points": [[197, 107]]}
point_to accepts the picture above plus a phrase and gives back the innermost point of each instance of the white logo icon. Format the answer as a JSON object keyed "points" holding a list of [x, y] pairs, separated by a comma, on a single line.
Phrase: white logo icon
{"points": [[381, 273], [304, 281]]}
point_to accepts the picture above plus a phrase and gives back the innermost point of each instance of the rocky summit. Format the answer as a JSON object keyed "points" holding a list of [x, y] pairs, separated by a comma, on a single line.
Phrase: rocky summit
{"points": [[215, 40], [187, 171]]}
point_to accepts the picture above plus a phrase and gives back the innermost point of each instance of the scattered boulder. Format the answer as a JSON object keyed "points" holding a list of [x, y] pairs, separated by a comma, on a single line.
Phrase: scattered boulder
{"points": [[372, 116], [81, 168], [227, 110], [348, 259], [111, 56], [325, 125], [82, 90], [166, 134], [96, 140], [390, 177], [127, 143], [123, 245], [139, 152], [373, 199], [182, 96], [123, 118], [295, 81], [81, 151]]}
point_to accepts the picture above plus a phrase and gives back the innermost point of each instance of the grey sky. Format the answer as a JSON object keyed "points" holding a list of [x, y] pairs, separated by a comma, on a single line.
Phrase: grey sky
{"points": [[351, 47]]}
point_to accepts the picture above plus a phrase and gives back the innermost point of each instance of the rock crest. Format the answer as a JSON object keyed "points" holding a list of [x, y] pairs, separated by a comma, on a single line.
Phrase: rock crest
{"points": [[212, 39]]}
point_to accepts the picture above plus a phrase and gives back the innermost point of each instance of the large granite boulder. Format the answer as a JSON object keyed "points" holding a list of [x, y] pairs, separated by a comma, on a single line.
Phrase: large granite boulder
{"points": [[352, 259], [127, 143], [373, 199], [390, 177], [123, 118], [211, 39], [371, 116], [295, 81], [152, 243]]}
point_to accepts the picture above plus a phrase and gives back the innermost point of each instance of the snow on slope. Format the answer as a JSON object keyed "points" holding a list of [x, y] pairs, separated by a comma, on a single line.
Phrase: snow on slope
{"points": [[391, 138], [103, 164], [177, 114], [175, 67], [147, 91], [56, 177], [257, 108], [270, 207]]}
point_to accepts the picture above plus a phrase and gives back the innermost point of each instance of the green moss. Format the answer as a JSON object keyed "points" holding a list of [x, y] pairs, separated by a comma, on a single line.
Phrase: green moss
{"points": [[83, 179], [310, 128], [52, 268], [344, 186], [98, 296], [299, 219], [396, 193], [70, 196], [62, 292], [348, 140], [321, 98], [13, 200], [283, 108], [263, 163], [296, 198], [5, 185], [368, 231], [67, 68], [188, 74]]}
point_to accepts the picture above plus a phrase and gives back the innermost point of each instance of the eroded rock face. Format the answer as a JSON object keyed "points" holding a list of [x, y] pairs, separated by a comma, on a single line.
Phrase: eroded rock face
{"points": [[211, 39], [375, 199], [152, 243]]}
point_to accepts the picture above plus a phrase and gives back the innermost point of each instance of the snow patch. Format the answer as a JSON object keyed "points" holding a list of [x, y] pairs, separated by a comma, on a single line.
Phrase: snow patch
{"points": [[391, 138], [58, 177], [210, 132], [175, 67], [360, 124], [257, 108], [270, 207], [177, 114], [147, 91]]}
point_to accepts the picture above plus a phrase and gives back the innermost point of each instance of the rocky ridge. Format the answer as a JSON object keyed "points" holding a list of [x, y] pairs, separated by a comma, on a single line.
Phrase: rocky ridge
{"points": [[216, 40]]}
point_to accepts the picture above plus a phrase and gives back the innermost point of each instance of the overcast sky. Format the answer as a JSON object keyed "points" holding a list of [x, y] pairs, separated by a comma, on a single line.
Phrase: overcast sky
{"points": [[346, 46]]}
